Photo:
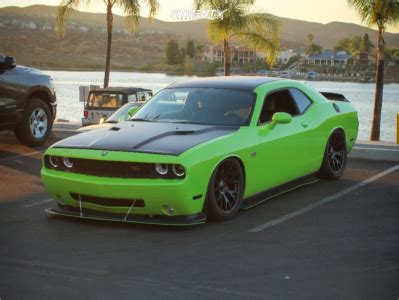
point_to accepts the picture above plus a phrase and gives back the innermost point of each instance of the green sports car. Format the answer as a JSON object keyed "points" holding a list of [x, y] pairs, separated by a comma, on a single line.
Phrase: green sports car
{"points": [[202, 149]]}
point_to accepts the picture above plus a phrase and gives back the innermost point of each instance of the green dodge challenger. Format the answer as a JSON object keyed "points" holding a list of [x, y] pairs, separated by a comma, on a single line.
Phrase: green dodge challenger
{"points": [[201, 150]]}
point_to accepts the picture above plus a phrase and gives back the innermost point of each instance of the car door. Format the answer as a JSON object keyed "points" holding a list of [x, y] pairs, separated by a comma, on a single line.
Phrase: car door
{"points": [[281, 152], [10, 95]]}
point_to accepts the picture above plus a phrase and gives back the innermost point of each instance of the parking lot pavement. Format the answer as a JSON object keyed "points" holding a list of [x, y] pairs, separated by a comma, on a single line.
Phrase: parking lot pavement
{"points": [[344, 248]]}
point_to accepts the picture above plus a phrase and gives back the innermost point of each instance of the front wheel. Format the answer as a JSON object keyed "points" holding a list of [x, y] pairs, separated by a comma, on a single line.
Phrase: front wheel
{"points": [[36, 124], [225, 190], [334, 159]]}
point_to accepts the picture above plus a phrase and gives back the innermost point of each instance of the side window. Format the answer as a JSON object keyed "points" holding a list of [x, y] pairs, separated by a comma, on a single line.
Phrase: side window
{"points": [[280, 101], [131, 98], [301, 100]]}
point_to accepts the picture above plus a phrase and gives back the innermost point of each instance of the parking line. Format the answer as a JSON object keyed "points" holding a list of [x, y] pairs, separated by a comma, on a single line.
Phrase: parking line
{"points": [[22, 155], [323, 201], [37, 203]]}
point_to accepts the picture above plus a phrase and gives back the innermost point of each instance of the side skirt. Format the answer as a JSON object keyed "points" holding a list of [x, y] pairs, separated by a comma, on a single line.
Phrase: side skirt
{"points": [[257, 199]]}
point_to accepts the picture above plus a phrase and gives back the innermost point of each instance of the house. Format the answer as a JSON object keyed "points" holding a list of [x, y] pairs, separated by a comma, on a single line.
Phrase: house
{"points": [[31, 25], [238, 54], [329, 58], [365, 59]]}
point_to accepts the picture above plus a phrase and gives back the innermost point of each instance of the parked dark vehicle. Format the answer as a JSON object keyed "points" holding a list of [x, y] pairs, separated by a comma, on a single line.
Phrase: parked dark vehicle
{"points": [[101, 103], [27, 102]]}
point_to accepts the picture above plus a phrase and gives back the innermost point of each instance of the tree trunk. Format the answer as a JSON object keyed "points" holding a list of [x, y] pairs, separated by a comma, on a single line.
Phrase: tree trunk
{"points": [[110, 18], [375, 129], [226, 49]]}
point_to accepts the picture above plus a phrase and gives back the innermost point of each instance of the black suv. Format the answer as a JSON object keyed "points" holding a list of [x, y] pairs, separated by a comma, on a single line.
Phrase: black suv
{"points": [[27, 102]]}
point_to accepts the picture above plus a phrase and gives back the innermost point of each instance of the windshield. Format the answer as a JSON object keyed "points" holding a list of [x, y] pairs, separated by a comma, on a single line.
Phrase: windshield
{"points": [[122, 113], [105, 100], [199, 106]]}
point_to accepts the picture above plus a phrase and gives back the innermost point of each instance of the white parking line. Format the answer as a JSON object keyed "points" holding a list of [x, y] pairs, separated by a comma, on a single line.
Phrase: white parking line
{"points": [[323, 201], [37, 203], [22, 155]]}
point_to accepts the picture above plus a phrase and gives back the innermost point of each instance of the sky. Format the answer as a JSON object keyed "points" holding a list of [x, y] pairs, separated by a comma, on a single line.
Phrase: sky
{"points": [[321, 11]]}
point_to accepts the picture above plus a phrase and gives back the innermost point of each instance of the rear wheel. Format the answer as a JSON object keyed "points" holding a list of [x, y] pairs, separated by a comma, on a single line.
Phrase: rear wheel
{"points": [[334, 160], [36, 124], [225, 190]]}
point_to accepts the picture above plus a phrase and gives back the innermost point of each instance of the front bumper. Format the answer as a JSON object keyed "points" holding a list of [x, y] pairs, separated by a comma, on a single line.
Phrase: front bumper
{"points": [[179, 201]]}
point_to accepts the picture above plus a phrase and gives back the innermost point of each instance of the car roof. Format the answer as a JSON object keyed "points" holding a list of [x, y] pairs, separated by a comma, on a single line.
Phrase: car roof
{"points": [[246, 83], [126, 90]]}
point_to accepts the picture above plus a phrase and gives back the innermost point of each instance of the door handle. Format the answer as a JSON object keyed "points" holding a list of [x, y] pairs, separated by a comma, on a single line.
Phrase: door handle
{"points": [[305, 124]]}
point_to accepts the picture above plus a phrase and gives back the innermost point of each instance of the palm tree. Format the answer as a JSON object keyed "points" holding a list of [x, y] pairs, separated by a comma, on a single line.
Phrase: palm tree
{"points": [[259, 30], [130, 7], [380, 13]]}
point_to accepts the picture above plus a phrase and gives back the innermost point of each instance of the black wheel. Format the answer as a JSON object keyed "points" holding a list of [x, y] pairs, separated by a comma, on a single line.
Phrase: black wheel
{"points": [[334, 160], [36, 124], [225, 190]]}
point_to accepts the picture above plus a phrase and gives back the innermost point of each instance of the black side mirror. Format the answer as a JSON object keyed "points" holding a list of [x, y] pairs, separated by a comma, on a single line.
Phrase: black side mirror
{"points": [[10, 62]]}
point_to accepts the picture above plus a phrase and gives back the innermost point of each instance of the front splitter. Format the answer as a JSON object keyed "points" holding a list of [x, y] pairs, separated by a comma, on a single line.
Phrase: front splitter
{"points": [[87, 214]]}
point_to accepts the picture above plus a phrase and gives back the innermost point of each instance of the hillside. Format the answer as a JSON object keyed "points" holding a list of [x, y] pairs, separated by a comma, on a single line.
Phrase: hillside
{"points": [[28, 34]]}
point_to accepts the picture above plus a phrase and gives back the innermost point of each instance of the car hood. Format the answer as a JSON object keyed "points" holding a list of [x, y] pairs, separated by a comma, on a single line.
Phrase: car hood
{"points": [[23, 69], [147, 137], [96, 126]]}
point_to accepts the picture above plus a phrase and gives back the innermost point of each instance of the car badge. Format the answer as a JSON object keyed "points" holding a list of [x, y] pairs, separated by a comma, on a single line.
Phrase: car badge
{"points": [[104, 153]]}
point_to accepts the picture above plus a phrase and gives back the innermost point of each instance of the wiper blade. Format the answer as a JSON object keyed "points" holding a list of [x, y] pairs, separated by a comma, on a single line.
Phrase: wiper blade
{"points": [[141, 120], [189, 122]]}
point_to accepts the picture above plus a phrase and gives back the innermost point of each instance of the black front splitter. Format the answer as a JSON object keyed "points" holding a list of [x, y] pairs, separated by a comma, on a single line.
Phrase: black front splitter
{"points": [[68, 211]]}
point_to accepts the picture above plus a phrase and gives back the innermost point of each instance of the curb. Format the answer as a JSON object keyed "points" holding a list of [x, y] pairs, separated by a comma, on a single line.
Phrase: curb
{"points": [[383, 151]]}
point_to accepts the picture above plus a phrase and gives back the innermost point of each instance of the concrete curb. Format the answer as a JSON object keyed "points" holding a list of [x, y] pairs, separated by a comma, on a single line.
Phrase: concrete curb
{"points": [[376, 151]]}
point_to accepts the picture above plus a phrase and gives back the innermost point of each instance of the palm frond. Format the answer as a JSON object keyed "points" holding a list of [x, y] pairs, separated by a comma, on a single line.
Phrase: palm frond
{"points": [[378, 13], [64, 10], [267, 45], [261, 32], [154, 7], [132, 10]]}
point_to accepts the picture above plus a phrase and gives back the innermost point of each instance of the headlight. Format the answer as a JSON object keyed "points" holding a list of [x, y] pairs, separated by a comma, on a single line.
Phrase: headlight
{"points": [[52, 84], [162, 169], [68, 162], [54, 161], [178, 170]]}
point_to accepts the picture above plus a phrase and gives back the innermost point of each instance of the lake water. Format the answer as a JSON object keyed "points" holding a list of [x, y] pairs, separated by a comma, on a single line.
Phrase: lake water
{"points": [[360, 94]]}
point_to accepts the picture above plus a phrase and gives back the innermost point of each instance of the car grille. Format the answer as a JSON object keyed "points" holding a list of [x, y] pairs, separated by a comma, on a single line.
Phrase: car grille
{"points": [[108, 201], [115, 169]]}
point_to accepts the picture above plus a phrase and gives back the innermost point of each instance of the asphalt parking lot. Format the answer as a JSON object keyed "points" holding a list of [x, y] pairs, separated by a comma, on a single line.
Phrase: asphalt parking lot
{"points": [[329, 240]]}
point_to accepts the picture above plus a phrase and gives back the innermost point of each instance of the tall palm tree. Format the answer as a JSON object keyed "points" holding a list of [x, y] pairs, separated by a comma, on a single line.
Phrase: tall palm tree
{"points": [[130, 7], [379, 13], [259, 30]]}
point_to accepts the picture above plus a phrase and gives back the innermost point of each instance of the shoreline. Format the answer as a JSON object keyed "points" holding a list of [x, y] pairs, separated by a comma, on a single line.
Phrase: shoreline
{"points": [[159, 71]]}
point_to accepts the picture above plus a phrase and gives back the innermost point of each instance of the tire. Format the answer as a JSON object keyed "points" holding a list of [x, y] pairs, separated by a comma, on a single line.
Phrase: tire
{"points": [[36, 124], [225, 190], [335, 156]]}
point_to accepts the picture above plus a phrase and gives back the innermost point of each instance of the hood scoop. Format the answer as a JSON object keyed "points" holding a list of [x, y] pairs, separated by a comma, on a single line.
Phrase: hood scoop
{"points": [[115, 128]]}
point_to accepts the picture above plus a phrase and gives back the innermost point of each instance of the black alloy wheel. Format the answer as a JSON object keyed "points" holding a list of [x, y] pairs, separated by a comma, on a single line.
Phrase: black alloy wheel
{"points": [[225, 190]]}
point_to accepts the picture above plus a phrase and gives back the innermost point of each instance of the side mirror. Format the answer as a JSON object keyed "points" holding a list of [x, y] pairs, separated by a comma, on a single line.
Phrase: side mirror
{"points": [[280, 118], [132, 110], [9, 62]]}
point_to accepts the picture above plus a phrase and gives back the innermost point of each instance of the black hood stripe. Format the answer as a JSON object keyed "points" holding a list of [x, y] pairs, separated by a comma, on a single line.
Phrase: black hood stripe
{"points": [[146, 137]]}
